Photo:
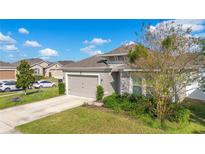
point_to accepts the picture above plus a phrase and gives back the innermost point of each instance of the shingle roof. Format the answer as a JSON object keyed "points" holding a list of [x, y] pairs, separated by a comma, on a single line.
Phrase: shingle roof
{"points": [[94, 62], [5, 65], [97, 61], [65, 62], [31, 61], [122, 50]]}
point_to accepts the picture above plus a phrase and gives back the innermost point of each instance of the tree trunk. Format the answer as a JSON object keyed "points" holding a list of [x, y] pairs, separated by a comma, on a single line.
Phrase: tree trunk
{"points": [[25, 92]]}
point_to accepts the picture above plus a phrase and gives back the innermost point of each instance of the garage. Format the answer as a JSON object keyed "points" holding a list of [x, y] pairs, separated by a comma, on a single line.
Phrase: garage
{"points": [[7, 74], [82, 85]]}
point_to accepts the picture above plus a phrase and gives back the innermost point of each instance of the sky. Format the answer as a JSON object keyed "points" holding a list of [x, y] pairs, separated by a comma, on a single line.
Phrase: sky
{"points": [[67, 39]]}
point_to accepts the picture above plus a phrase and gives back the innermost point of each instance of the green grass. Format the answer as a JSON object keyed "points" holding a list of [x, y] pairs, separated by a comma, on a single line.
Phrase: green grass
{"points": [[85, 120], [99, 120], [7, 93], [44, 93]]}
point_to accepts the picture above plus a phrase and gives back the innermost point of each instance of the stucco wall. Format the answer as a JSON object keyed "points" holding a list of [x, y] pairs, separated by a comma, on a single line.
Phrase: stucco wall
{"points": [[44, 64], [125, 83], [55, 70], [109, 83], [38, 67]]}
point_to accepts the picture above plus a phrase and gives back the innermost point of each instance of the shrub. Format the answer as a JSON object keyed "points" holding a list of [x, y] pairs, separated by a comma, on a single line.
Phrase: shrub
{"points": [[133, 98], [111, 101], [100, 93], [179, 114], [126, 105], [61, 88], [38, 77]]}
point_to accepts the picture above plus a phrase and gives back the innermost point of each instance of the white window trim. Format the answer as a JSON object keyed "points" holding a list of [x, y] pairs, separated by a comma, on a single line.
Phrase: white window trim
{"points": [[80, 74]]}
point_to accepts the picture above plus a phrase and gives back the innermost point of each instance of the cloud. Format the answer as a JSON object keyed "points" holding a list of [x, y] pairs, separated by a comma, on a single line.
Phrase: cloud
{"points": [[127, 43], [97, 41], [23, 31], [91, 50], [11, 56], [5, 39], [200, 35], [8, 47], [48, 52], [196, 25], [92, 45], [33, 44]]}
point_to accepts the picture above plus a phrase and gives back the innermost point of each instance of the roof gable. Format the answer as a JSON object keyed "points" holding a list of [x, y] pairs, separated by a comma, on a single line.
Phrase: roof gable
{"points": [[122, 50], [94, 61], [32, 61], [65, 62]]}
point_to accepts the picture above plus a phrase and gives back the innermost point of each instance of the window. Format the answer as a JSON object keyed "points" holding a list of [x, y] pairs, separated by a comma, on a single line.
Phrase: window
{"points": [[111, 59], [120, 58], [45, 82], [116, 59], [137, 85], [10, 83], [36, 71]]}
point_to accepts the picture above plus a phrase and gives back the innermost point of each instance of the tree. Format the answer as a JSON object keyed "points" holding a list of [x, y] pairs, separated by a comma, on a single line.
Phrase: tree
{"points": [[24, 76], [202, 80], [168, 56]]}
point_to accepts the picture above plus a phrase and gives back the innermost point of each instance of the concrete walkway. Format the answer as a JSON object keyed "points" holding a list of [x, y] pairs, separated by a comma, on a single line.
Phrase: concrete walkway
{"points": [[14, 116]]}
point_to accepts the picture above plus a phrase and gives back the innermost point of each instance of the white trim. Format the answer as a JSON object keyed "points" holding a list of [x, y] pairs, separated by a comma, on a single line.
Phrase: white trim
{"points": [[57, 63], [80, 74], [114, 54], [130, 84], [7, 69], [38, 63]]}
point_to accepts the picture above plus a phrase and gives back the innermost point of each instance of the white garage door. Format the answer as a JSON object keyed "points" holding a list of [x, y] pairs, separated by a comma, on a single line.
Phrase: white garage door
{"points": [[82, 85]]}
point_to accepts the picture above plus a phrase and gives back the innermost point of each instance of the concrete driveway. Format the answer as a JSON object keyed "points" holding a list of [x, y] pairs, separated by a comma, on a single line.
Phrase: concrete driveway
{"points": [[14, 116]]}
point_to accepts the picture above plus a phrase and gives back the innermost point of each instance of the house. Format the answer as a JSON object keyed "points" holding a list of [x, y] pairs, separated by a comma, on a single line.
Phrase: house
{"points": [[55, 69], [108, 70], [37, 64], [112, 71], [7, 71]]}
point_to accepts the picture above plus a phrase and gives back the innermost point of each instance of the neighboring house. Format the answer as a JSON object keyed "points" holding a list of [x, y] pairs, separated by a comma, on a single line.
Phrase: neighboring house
{"points": [[55, 69], [38, 65], [7, 71], [111, 70]]}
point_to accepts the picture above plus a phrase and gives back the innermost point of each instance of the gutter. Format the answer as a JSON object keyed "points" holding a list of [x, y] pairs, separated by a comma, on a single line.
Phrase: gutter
{"points": [[86, 69]]}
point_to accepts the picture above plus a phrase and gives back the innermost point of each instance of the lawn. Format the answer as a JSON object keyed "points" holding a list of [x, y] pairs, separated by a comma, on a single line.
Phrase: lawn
{"points": [[7, 93], [92, 120], [33, 96]]}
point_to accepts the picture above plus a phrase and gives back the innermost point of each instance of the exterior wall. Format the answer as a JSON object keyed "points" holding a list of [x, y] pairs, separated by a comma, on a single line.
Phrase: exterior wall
{"points": [[7, 74], [55, 70], [38, 67], [44, 64], [109, 83], [125, 83]]}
